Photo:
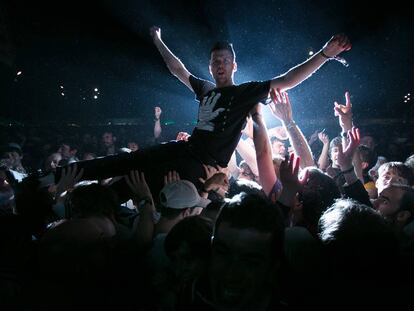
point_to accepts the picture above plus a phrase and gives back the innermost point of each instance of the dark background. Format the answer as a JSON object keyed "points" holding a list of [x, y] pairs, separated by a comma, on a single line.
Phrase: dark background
{"points": [[82, 45]]}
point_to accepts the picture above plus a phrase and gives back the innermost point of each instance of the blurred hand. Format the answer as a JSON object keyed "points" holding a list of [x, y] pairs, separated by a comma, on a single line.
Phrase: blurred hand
{"points": [[183, 136], [157, 112], [138, 185], [336, 45], [171, 177], [280, 106], [323, 138], [344, 112], [345, 154], [69, 178], [155, 33]]}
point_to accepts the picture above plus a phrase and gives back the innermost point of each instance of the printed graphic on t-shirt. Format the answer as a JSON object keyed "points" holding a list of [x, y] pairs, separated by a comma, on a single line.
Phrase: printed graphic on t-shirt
{"points": [[207, 113]]}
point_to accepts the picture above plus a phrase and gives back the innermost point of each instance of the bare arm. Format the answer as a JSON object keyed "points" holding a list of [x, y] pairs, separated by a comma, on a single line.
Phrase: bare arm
{"points": [[301, 72], [267, 174], [282, 110], [175, 66], [323, 161], [157, 122], [248, 154]]}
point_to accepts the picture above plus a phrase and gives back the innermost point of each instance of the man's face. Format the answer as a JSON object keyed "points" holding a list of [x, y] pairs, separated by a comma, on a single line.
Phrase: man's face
{"points": [[386, 177], [222, 67], [368, 141], [334, 156], [388, 202], [240, 268], [279, 148], [108, 139], [133, 146]]}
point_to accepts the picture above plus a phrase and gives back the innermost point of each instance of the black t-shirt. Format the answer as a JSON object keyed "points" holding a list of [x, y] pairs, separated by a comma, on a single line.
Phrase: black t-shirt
{"points": [[222, 115]]}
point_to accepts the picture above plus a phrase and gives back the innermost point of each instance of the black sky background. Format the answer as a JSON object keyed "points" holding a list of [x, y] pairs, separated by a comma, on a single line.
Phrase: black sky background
{"points": [[82, 45]]}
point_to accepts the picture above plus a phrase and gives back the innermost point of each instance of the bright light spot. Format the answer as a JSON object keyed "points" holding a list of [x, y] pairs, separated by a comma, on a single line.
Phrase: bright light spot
{"points": [[310, 53], [95, 89], [94, 96], [18, 73], [63, 94], [61, 86]]}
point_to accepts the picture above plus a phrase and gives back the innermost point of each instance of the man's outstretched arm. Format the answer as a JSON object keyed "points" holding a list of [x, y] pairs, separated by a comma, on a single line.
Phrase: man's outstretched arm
{"points": [[296, 75], [175, 66]]}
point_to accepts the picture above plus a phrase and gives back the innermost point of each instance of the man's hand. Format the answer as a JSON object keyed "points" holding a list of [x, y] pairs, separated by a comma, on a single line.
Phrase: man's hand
{"points": [[155, 33], [157, 113], [280, 106], [182, 136], [346, 153], [344, 112], [171, 177], [323, 138], [69, 178], [138, 185], [207, 113], [336, 45]]}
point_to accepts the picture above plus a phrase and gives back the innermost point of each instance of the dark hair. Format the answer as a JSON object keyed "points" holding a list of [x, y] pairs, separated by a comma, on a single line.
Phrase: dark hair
{"points": [[246, 186], [92, 200], [367, 155], [357, 239], [195, 231], [337, 141], [319, 192], [224, 45], [252, 211]]}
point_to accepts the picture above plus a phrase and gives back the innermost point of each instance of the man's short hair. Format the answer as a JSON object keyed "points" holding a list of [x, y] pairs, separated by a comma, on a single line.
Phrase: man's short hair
{"points": [[337, 141], [224, 45], [400, 169], [252, 211], [274, 138]]}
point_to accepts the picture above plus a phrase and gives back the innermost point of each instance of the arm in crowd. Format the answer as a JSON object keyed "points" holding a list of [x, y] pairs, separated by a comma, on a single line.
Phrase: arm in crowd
{"points": [[282, 110], [157, 123], [354, 189], [248, 154], [301, 72], [323, 161], [175, 66], [266, 171], [143, 227], [344, 114]]}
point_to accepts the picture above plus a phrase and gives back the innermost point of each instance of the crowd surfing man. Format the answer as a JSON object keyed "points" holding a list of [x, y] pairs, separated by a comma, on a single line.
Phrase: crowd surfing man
{"points": [[223, 107]]}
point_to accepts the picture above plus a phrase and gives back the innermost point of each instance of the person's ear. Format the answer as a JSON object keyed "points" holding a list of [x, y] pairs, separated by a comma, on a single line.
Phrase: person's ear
{"points": [[234, 66], [186, 212], [364, 165], [403, 216]]}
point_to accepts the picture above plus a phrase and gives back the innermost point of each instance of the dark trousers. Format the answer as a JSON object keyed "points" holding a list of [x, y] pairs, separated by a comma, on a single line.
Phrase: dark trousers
{"points": [[155, 162]]}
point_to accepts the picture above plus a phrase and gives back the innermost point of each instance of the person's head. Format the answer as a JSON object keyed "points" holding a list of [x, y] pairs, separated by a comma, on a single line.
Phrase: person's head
{"points": [[369, 141], [334, 146], [278, 146], [52, 162], [317, 194], [91, 200], [246, 172], [247, 248], [393, 172], [410, 163], [133, 146], [180, 199], [367, 157], [188, 246], [12, 155], [358, 242], [88, 156], [396, 203], [108, 139], [222, 63]]}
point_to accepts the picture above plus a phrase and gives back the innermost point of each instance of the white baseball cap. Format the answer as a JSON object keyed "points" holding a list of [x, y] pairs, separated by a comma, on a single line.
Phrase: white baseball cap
{"points": [[181, 194]]}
